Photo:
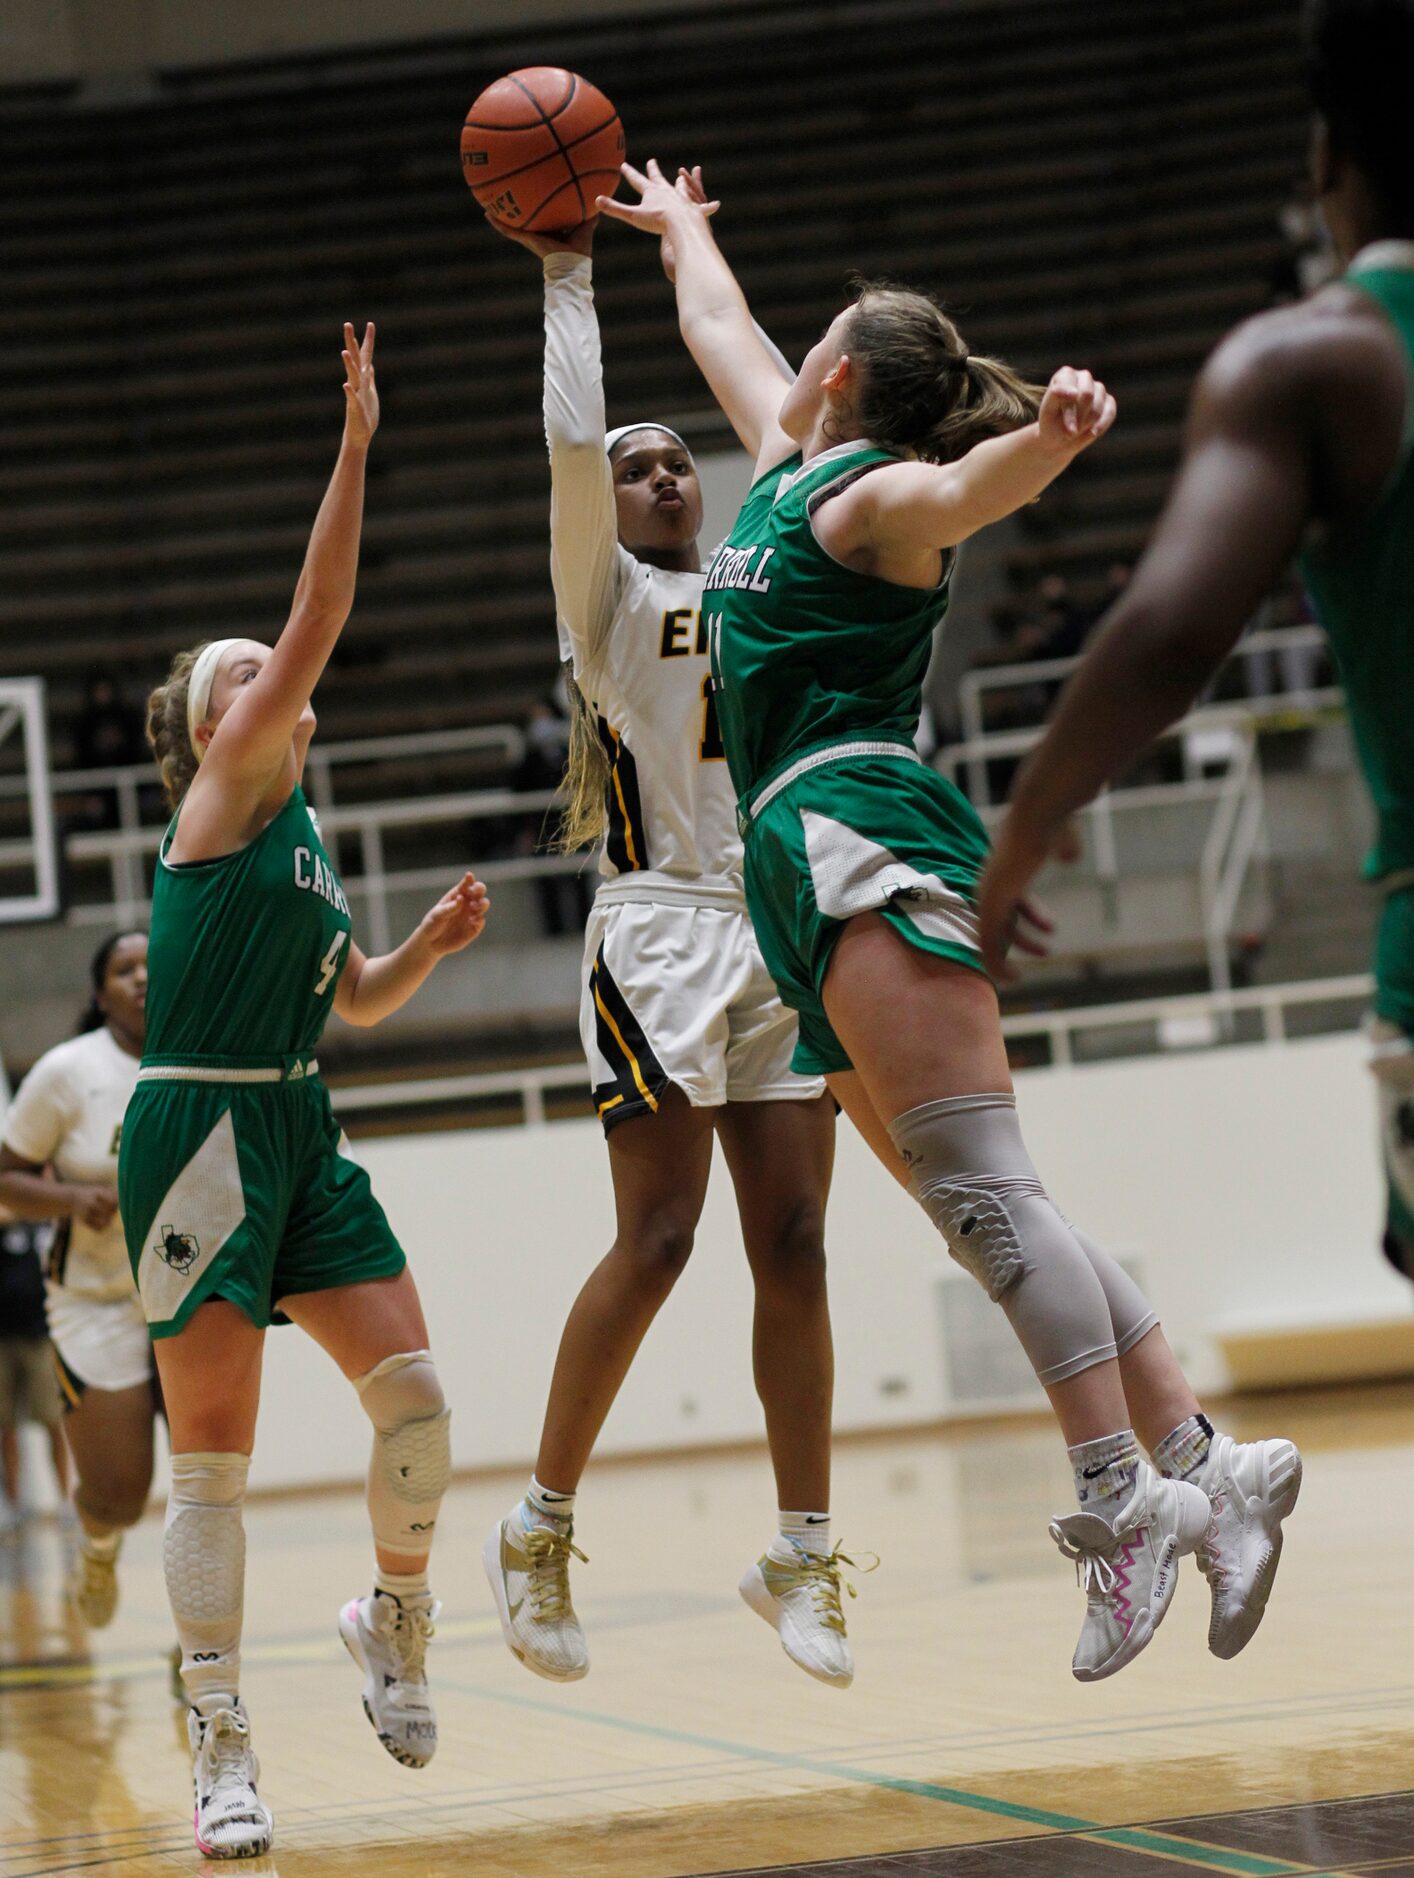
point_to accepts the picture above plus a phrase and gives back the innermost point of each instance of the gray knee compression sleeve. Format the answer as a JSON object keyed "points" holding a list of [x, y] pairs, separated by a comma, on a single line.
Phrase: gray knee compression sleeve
{"points": [[969, 1170], [1131, 1314], [412, 1459]]}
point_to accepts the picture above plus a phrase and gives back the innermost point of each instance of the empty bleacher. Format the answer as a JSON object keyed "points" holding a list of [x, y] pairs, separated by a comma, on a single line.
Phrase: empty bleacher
{"points": [[1096, 182]]}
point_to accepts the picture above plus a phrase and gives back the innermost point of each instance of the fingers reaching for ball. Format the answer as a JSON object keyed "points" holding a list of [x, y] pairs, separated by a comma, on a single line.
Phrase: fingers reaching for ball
{"points": [[659, 200]]}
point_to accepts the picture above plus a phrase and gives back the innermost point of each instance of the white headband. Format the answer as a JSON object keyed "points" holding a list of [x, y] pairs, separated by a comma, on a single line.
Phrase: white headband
{"points": [[625, 430], [203, 676]]}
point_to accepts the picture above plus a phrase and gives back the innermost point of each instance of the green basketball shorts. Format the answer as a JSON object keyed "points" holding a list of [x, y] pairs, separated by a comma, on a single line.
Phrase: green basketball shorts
{"points": [[243, 1189], [857, 828]]}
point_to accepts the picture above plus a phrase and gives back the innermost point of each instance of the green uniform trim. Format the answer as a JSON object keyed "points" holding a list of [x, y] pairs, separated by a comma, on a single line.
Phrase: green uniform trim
{"points": [[234, 1179], [244, 1192], [805, 651], [878, 833]]}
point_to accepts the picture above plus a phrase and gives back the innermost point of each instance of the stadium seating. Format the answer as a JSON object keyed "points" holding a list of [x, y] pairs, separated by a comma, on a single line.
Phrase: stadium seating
{"points": [[1104, 189]]}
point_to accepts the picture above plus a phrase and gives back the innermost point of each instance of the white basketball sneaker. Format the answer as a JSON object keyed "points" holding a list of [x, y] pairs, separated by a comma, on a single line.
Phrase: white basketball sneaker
{"points": [[1129, 1568], [231, 1820], [388, 1640], [528, 1569], [800, 1599], [1252, 1486], [93, 1585]]}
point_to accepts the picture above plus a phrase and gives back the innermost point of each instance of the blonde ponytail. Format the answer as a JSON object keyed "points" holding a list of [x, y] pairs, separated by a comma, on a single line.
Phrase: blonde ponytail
{"points": [[167, 728], [583, 820], [920, 388]]}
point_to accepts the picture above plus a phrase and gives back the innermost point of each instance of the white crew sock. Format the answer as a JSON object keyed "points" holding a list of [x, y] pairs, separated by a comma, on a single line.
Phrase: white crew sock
{"points": [[801, 1532], [543, 1506]]}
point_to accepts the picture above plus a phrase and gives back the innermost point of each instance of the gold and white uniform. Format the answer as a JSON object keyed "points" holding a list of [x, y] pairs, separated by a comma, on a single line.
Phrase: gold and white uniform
{"points": [[68, 1114], [675, 988]]}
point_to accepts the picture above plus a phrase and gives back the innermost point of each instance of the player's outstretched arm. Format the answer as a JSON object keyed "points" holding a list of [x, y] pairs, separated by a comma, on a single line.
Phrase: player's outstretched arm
{"points": [[1234, 518], [372, 989], [585, 558], [716, 321], [913, 507], [252, 739]]}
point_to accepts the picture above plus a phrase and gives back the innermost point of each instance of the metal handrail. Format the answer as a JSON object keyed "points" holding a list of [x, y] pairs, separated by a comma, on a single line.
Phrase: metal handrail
{"points": [[508, 738], [975, 683], [1059, 1028]]}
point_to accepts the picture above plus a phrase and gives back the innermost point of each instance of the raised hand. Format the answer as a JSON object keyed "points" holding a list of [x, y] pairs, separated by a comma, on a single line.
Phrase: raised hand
{"points": [[360, 390], [562, 241], [1075, 411], [659, 200], [691, 188], [457, 918]]}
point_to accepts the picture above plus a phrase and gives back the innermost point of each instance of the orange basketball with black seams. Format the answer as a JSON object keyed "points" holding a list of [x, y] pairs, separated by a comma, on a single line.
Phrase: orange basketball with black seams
{"points": [[539, 146]]}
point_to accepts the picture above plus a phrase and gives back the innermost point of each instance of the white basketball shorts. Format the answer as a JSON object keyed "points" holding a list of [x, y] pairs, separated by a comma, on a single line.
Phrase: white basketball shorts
{"points": [[101, 1343], [678, 994]]}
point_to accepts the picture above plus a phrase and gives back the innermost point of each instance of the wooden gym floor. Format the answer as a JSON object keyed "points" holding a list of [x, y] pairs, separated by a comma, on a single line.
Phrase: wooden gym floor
{"points": [[965, 1749]]}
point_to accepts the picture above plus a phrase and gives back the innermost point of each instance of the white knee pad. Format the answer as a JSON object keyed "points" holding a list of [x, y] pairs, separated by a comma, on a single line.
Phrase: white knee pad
{"points": [[969, 1170], [203, 1560], [412, 1454]]}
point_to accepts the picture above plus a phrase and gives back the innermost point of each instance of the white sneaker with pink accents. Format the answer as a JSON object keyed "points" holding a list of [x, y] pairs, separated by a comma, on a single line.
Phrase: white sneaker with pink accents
{"points": [[1129, 1568], [1252, 1486]]}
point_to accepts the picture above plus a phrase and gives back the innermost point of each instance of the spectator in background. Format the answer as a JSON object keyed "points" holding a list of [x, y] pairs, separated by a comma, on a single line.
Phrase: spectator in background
{"points": [[29, 1386]]}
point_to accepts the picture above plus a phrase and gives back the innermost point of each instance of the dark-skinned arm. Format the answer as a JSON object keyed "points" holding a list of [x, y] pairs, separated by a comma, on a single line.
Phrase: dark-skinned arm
{"points": [[1234, 518]]}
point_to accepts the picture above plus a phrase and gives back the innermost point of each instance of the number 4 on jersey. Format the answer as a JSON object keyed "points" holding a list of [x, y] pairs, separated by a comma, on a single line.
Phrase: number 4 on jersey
{"points": [[329, 964]]}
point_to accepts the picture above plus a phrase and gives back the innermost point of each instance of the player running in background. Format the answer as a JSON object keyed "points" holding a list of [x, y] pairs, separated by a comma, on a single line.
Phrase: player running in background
{"points": [[1300, 436], [240, 1198], [684, 1031], [68, 1116], [895, 444]]}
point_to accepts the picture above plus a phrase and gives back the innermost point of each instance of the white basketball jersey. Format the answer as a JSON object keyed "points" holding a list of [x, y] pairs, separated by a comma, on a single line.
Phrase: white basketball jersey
{"points": [[68, 1114], [634, 634]]}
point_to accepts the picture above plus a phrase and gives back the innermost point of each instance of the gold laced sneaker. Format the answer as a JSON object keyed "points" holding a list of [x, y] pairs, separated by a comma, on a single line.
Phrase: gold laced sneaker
{"points": [[93, 1586], [800, 1599], [528, 1569]]}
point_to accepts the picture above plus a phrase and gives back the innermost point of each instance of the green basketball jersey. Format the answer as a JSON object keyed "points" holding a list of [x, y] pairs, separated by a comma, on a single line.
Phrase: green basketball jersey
{"points": [[805, 651], [1362, 584], [246, 950]]}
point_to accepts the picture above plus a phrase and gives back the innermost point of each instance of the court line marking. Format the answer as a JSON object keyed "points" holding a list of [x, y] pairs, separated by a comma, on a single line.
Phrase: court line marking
{"points": [[1194, 1853], [1132, 1838]]}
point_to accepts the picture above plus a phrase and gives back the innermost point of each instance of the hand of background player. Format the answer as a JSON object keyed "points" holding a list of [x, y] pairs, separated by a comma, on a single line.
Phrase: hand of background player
{"points": [[659, 200], [1007, 916], [691, 186], [457, 918], [1075, 411], [360, 391], [565, 241], [93, 1206]]}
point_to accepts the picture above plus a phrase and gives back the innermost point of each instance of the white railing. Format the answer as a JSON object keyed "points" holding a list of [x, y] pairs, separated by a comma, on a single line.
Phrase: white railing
{"points": [[127, 782], [1235, 837], [1200, 1021], [1275, 645], [125, 850]]}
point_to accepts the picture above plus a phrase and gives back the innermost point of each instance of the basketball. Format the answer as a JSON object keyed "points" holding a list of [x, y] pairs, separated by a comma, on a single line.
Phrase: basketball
{"points": [[539, 146]]}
